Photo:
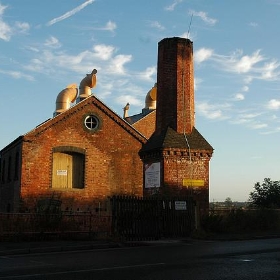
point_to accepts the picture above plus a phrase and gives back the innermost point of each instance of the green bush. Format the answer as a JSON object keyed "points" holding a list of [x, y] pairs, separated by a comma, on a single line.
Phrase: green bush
{"points": [[242, 221]]}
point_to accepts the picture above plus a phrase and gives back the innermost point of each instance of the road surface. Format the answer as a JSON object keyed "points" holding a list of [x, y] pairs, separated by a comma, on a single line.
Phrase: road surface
{"points": [[172, 260]]}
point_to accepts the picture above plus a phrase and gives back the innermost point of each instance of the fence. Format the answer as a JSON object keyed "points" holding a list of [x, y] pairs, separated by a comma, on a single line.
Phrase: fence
{"points": [[148, 218], [46, 226], [129, 218]]}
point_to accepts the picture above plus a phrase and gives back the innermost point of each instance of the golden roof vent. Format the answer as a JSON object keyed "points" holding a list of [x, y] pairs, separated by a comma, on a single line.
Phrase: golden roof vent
{"points": [[65, 98], [87, 84], [151, 98]]}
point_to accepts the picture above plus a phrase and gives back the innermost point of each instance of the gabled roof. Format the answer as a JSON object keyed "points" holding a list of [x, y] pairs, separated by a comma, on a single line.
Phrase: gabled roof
{"points": [[169, 138], [78, 107]]}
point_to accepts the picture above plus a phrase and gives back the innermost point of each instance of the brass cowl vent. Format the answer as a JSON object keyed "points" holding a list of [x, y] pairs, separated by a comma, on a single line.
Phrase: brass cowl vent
{"points": [[86, 85], [65, 98]]}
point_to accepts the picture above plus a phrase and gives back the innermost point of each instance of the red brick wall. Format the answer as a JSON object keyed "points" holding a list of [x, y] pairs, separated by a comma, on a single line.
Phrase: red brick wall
{"points": [[175, 167], [175, 85], [112, 164]]}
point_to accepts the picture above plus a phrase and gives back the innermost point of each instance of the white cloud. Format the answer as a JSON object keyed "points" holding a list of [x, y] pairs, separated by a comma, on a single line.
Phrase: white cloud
{"points": [[70, 13], [172, 6], [250, 120], [32, 49], [239, 97], [258, 125], [157, 25], [104, 52], [202, 55], [17, 75], [2, 9], [240, 121], [254, 66], [268, 70], [149, 74], [253, 24], [103, 57], [246, 62], [203, 15], [52, 42], [212, 111], [22, 27], [273, 104], [110, 26], [5, 29], [249, 115], [117, 63]]}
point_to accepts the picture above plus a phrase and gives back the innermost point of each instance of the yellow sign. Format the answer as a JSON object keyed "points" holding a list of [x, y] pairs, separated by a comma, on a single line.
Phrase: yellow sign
{"points": [[193, 183]]}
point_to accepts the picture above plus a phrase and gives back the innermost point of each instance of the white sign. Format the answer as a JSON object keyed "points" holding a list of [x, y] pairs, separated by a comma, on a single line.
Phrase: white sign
{"points": [[180, 205], [61, 172], [152, 175]]}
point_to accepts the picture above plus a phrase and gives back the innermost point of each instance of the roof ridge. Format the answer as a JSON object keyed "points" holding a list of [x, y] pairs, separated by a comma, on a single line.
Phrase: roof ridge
{"points": [[99, 104]]}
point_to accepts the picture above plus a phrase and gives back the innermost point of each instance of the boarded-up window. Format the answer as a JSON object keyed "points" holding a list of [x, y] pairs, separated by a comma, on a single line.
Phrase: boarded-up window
{"points": [[68, 170]]}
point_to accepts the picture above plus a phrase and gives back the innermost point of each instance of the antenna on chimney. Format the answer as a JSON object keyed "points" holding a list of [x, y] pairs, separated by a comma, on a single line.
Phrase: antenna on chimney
{"points": [[189, 27]]}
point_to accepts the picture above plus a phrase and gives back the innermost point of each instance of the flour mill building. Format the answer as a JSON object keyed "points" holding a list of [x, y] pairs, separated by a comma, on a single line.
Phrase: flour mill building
{"points": [[87, 153]]}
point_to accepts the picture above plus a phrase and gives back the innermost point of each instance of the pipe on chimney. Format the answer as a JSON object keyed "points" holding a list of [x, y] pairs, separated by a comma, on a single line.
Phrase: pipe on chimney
{"points": [[65, 98]]}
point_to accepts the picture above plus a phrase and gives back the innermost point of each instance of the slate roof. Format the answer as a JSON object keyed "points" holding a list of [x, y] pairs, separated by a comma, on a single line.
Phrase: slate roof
{"points": [[135, 118], [169, 138]]}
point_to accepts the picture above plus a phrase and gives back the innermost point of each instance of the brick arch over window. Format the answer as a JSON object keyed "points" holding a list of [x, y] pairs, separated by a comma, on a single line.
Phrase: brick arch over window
{"points": [[68, 167]]}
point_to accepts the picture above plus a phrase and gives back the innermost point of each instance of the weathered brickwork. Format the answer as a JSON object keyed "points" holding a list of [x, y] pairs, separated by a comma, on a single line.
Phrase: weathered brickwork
{"points": [[182, 152], [112, 164], [177, 168], [175, 85]]}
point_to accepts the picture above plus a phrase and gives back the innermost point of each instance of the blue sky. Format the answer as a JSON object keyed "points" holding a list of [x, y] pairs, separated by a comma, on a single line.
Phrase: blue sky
{"points": [[46, 45]]}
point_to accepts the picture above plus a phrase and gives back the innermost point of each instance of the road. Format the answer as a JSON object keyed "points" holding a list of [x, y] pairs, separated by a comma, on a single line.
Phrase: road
{"points": [[173, 260]]}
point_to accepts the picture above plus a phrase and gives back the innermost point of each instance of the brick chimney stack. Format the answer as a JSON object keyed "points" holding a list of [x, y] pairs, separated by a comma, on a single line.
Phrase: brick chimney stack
{"points": [[175, 85]]}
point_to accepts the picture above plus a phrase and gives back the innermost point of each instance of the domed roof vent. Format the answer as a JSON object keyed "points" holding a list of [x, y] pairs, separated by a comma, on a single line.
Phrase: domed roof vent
{"points": [[151, 98]]}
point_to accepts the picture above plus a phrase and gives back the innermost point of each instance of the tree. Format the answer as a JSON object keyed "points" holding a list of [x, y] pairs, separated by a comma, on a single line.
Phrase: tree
{"points": [[228, 202], [266, 194]]}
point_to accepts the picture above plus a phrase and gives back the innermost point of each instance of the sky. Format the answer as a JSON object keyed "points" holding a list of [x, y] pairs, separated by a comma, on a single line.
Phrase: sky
{"points": [[47, 45]]}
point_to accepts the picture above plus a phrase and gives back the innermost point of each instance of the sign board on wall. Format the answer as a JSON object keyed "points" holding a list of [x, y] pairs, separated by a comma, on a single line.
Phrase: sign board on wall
{"points": [[180, 205], [152, 175], [61, 172], [193, 183]]}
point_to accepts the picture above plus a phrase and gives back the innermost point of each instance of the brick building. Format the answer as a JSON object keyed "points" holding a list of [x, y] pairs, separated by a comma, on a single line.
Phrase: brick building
{"points": [[176, 150], [87, 153]]}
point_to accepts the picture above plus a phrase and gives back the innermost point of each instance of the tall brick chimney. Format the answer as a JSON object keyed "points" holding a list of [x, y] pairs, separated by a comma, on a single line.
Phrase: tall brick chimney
{"points": [[175, 85]]}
